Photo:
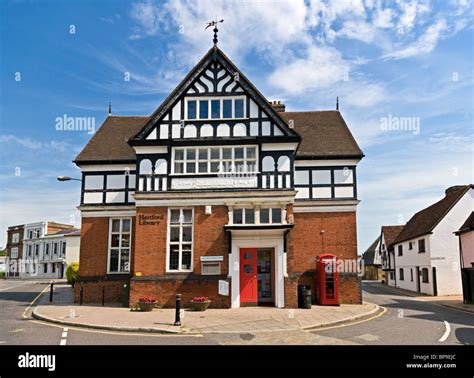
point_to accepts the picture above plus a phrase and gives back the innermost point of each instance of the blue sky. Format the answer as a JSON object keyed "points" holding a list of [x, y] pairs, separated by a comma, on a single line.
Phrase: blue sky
{"points": [[383, 59]]}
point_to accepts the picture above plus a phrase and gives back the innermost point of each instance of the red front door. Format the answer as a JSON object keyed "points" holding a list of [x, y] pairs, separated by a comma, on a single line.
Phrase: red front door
{"points": [[248, 276]]}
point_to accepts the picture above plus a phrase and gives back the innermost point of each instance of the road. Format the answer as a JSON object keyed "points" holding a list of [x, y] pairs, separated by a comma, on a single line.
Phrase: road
{"points": [[406, 321]]}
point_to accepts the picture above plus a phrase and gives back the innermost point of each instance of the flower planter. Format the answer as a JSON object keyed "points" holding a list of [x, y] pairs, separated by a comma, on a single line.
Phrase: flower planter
{"points": [[200, 306], [146, 306]]}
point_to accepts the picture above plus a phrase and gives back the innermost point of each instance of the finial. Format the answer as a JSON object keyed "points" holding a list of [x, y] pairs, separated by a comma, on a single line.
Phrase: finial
{"points": [[215, 30], [110, 108], [337, 103]]}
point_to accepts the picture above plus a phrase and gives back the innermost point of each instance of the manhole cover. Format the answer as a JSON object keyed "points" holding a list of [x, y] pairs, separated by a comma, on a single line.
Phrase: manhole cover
{"points": [[247, 336]]}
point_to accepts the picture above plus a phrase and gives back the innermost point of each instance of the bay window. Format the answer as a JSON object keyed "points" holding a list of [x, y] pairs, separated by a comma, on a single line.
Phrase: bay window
{"points": [[180, 244], [208, 160], [120, 235]]}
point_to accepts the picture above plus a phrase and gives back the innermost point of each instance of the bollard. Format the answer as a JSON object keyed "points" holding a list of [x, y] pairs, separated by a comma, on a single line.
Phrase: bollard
{"points": [[177, 318], [103, 296], [51, 292], [81, 296]]}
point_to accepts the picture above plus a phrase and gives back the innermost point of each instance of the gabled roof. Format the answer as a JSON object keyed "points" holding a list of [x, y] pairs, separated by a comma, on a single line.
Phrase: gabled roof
{"points": [[390, 233], [424, 221], [369, 255], [325, 135], [213, 55], [109, 143], [468, 225]]}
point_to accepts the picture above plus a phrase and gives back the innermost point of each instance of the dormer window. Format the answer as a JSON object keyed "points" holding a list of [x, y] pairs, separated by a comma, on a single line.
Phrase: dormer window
{"points": [[215, 108]]}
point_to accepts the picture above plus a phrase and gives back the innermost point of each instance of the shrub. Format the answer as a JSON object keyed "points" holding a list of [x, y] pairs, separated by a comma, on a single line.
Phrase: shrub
{"points": [[71, 272], [2, 275], [200, 299], [147, 299]]}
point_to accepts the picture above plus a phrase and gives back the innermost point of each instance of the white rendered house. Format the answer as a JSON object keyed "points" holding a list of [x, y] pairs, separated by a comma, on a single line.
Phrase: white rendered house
{"points": [[427, 251], [48, 247]]}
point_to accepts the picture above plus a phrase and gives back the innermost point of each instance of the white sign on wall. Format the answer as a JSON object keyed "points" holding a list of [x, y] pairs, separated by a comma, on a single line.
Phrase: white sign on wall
{"points": [[223, 287], [212, 258], [214, 182]]}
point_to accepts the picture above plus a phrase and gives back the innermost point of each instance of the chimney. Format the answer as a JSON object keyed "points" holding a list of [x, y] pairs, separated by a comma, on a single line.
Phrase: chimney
{"points": [[453, 189], [278, 106]]}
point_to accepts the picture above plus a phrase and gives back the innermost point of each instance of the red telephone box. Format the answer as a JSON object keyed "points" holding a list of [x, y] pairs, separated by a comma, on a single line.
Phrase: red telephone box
{"points": [[327, 280]]}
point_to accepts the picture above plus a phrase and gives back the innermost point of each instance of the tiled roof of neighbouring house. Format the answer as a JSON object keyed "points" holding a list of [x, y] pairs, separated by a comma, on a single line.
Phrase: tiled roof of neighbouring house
{"points": [[390, 233], [68, 232], [369, 255], [468, 225], [424, 221], [324, 133]]}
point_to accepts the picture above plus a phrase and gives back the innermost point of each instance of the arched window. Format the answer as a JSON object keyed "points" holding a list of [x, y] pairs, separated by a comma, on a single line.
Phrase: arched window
{"points": [[206, 130], [145, 167], [283, 164], [240, 130], [161, 167], [190, 131], [268, 164], [223, 130]]}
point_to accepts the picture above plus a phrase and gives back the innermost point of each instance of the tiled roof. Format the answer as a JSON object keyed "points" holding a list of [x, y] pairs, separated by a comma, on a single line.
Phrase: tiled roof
{"points": [[467, 225], [390, 233], [109, 143], [424, 221], [324, 133], [369, 255]]}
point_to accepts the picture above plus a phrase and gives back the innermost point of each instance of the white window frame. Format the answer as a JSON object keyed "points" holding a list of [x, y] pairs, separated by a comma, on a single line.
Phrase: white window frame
{"points": [[120, 246], [221, 160], [14, 255], [16, 237], [180, 243], [270, 215], [209, 99]]}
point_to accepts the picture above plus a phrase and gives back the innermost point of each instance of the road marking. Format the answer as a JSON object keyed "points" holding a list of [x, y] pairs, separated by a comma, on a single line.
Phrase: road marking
{"points": [[64, 337], [446, 333], [384, 310], [33, 302], [14, 287]]}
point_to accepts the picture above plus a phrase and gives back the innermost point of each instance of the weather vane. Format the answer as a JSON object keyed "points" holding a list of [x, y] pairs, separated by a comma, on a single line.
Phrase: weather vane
{"points": [[214, 23]]}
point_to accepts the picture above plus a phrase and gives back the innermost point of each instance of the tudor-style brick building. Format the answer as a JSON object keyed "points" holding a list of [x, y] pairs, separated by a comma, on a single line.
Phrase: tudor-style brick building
{"points": [[218, 184]]}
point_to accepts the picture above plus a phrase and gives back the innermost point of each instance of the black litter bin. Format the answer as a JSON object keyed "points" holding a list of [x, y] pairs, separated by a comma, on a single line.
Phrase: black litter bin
{"points": [[301, 290], [307, 299]]}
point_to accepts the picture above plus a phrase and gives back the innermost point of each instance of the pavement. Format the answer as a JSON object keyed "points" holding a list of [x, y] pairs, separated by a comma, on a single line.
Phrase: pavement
{"points": [[212, 321], [453, 301]]}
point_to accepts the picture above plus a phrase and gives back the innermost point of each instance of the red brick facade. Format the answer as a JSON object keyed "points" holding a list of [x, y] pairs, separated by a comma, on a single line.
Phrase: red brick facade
{"points": [[307, 241], [149, 250]]}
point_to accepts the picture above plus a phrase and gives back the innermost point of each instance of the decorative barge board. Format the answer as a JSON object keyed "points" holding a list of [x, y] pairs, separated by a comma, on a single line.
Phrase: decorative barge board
{"points": [[218, 193]]}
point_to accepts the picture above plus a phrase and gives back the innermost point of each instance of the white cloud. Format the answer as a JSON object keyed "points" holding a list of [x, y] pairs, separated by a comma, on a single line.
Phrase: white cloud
{"points": [[35, 144], [322, 67], [425, 43]]}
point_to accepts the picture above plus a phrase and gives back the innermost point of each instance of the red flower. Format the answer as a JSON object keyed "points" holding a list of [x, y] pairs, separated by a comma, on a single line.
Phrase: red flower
{"points": [[147, 299], [200, 299]]}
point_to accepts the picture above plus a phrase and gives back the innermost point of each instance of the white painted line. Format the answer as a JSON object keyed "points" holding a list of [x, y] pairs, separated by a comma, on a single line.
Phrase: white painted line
{"points": [[14, 287], [66, 329], [33, 302], [64, 335], [446, 333], [63, 342]]}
